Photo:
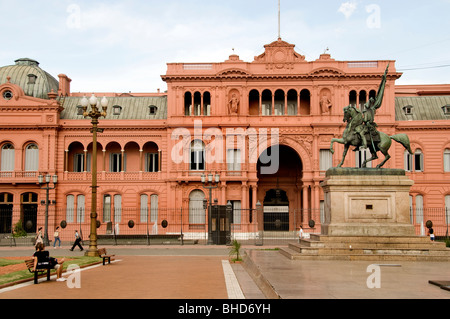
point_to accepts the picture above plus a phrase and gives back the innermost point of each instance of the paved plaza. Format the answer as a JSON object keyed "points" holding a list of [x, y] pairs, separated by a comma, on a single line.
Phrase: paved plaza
{"points": [[203, 272]]}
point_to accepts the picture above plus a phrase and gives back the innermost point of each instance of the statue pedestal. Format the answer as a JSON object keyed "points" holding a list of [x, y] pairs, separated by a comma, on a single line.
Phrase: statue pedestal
{"points": [[367, 202]]}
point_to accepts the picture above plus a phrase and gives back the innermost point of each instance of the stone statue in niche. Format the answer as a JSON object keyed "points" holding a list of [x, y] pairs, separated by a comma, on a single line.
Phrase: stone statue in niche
{"points": [[233, 104], [325, 101]]}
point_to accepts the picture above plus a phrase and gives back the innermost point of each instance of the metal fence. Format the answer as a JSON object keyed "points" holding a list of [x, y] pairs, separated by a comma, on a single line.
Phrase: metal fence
{"points": [[182, 226]]}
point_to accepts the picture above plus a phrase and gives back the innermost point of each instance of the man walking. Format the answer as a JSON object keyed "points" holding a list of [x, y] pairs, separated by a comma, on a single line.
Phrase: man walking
{"points": [[77, 241]]}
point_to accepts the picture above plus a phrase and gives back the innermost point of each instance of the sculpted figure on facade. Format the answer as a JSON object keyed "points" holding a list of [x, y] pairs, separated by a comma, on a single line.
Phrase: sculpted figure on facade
{"points": [[233, 104], [325, 101]]}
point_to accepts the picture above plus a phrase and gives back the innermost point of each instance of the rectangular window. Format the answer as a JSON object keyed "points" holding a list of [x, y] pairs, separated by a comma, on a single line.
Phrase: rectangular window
{"points": [[325, 160], [80, 208], [78, 162], [117, 209], [7, 159], [447, 160], [115, 164], [292, 109], [418, 161], [237, 213], [322, 211], [144, 208], [234, 160], [408, 161], [279, 109], [107, 208], [154, 208], [70, 208], [152, 163], [197, 160], [207, 110], [266, 109], [197, 110], [32, 158], [419, 209]]}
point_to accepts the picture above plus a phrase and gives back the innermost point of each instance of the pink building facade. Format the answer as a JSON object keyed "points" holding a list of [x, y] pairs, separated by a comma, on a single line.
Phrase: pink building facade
{"points": [[261, 128]]}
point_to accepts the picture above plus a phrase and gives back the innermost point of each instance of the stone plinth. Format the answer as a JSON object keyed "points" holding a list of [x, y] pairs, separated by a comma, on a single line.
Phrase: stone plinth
{"points": [[367, 202]]}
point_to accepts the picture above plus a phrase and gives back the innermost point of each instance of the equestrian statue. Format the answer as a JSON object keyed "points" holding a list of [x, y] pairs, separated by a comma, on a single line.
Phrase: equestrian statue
{"points": [[361, 130]]}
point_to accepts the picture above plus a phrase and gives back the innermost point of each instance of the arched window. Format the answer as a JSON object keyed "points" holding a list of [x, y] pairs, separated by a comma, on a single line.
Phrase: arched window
{"points": [[279, 103], [197, 104], [32, 158], [206, 104], [253, 102], [187, 103], [8, 155], [196, 210], [266, 100], [353, 98], [197, 156], [305, 102], [362, 99], [292, 102]]}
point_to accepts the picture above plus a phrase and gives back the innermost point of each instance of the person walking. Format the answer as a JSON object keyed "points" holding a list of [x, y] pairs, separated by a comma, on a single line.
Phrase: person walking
{"points": [[56, 238], [38, 239], [77, 241]]}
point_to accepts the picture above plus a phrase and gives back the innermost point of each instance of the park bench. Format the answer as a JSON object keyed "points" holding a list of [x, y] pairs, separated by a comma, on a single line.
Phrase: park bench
{"points": [[103, 254], [30, 266]]}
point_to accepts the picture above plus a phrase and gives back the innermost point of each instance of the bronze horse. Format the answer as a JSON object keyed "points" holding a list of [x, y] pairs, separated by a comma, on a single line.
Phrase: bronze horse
{"points": [[352, 137]]}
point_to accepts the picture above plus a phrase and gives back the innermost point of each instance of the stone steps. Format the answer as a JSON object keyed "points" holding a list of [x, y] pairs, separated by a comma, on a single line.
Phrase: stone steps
{"points": [[370, 248]]}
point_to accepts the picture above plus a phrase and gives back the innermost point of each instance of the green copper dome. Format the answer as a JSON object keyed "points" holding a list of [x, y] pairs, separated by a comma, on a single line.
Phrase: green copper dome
{"points": [[30, 77]]}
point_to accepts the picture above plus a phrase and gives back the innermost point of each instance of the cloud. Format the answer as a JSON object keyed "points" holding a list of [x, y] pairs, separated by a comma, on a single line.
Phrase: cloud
{"points": [[348, 8]]}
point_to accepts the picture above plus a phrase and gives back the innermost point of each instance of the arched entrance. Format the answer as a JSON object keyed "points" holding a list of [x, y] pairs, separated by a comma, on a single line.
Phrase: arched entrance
{"points": [[280, 191]]}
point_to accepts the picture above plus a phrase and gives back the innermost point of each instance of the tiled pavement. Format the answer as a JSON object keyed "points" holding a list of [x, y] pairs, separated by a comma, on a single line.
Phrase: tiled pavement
{"points": [[203, 272]]}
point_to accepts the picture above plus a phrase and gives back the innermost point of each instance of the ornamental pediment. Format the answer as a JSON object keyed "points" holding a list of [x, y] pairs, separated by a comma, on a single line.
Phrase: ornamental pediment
{"points": [[279, 52], [233, 72], [326, 71]]}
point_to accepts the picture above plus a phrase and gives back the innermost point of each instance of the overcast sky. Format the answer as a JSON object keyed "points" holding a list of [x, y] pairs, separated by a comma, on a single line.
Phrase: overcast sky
{"points": [[122, 46]]}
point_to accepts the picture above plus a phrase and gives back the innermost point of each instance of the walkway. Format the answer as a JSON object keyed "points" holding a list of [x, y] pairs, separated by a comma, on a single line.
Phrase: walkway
{"points": [[158, 272], [199, 272]]}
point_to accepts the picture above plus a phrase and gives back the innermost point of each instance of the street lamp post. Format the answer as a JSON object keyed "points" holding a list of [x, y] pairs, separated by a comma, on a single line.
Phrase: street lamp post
{"points": [[94, 114], [210, 184], [47, 188]]}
